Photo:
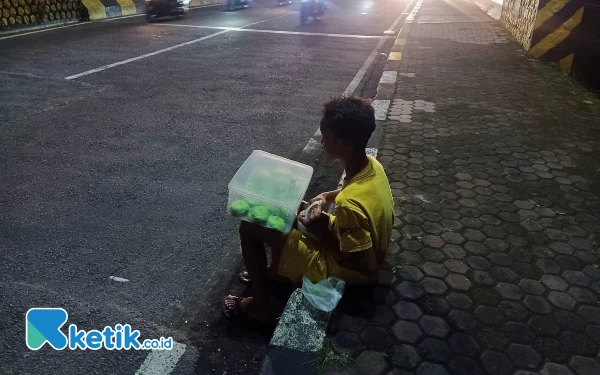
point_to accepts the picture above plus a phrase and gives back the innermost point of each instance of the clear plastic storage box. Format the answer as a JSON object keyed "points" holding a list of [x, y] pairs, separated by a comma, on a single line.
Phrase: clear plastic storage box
{"points": [[268, 190]]}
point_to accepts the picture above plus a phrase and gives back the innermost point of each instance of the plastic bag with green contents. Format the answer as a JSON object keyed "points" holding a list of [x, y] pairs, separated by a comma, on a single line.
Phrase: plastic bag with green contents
{"points": [[325, 294]]}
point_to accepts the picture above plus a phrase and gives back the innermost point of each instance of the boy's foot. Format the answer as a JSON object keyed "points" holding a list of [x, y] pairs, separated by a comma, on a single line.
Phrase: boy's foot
{"points": [[239, 306]]}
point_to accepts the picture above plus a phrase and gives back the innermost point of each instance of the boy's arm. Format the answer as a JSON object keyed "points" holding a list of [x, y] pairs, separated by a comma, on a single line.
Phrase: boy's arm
{"points": [[350, 241], [327, 197], [364, 261]]}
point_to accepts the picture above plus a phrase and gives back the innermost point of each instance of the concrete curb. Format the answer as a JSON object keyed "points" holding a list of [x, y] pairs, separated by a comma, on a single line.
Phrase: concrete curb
{"points": [[299, 335], [301, 330], [387, 82]]}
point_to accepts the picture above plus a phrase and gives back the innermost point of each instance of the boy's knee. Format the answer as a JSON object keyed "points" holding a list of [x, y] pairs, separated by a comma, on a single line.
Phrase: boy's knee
{"points": [[245, 228], [248, 229]]}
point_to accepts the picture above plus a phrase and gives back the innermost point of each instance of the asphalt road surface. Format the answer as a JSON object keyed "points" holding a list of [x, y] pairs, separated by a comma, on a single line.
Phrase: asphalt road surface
{"points": [[117, 142]]}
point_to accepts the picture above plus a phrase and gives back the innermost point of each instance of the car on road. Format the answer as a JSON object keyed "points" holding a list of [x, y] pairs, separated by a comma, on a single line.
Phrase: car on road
{"points": [[234, 4], [164, 8]]}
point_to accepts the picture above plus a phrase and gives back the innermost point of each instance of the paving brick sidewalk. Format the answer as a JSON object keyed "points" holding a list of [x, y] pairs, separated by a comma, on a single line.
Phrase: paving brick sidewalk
{"points": [[494, 161]]}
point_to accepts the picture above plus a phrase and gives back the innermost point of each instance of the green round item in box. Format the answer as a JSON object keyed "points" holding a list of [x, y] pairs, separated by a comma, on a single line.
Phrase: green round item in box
{"points": [[273, 210], [253, 202], [258, 214], [239, 207], [276, 222]]}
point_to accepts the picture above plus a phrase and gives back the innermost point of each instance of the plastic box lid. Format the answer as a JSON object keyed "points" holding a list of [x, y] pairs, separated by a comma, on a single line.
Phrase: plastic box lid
{"points": [[273, 179]]}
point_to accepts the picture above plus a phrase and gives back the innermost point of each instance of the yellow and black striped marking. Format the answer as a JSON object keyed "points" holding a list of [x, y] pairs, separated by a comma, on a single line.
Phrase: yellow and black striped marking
{"points": [[100, 9], [559, 32]]}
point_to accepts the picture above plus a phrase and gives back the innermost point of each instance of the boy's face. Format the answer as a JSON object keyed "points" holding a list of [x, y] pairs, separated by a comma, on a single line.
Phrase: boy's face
{"points": [[333, 147]]}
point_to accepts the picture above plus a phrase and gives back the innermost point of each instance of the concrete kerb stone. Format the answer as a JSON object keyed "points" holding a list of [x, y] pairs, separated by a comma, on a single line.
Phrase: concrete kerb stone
{"points": [[299, 334], [387, 84], [301, 327]]}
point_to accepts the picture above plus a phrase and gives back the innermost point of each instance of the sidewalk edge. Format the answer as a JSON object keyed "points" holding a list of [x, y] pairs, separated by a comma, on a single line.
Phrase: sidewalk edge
{"points": [[387, 83]]}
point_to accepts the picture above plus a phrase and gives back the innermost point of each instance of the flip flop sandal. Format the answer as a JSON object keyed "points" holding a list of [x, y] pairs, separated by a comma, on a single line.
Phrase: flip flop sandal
{"points": [[232, 312], [238, 313]]}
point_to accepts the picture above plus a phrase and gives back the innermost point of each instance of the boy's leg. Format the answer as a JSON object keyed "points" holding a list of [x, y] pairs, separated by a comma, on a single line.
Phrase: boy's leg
{"points": [[253, 237], [272, 269]]}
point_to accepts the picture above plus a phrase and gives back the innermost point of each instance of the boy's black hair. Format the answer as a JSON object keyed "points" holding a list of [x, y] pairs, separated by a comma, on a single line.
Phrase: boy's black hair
{"points": [[351, 119]]}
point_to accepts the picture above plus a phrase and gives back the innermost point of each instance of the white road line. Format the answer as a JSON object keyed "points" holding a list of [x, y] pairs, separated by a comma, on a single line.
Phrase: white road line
{"points": [[278, 31], [109, 66], [119, 279], [313, 143], [40, 31], [414, 11], [397, 21], [161, 362], [363, 70]]}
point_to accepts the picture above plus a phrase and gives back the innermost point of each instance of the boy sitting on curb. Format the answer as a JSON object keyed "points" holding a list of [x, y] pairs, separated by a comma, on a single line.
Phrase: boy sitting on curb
{"points": [[353, 243]]}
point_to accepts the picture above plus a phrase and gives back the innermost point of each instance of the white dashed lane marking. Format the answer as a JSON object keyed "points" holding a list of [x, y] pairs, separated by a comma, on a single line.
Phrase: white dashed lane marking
{"points": [[119, 279], [109, 66], [282, 32], [161, 362]]}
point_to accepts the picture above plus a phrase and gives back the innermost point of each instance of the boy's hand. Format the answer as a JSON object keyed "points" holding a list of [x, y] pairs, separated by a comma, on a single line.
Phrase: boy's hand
{"points": [[326, 197], [303, 206], [321, 197], [316, 221]]}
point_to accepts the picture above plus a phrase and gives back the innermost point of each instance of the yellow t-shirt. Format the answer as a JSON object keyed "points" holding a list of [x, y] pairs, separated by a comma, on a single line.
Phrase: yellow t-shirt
{"points": [[364, 216]]}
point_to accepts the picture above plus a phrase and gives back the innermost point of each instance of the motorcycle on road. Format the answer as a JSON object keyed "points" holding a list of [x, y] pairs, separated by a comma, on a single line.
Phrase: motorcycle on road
{"points": [[311, 8]]}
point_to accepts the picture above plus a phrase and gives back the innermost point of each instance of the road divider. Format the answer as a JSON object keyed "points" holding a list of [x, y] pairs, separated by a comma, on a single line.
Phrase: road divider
{"points": [[101, 9]]}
